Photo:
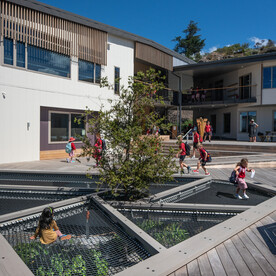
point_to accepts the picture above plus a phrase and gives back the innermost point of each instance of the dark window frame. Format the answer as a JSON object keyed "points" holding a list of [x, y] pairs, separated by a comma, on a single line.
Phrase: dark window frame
{"points": [[117, 80], [272, 79]]}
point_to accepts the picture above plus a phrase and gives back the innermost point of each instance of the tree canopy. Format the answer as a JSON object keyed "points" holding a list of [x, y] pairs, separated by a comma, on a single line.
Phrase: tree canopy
{"points": [[131, 160], [191, 44]]}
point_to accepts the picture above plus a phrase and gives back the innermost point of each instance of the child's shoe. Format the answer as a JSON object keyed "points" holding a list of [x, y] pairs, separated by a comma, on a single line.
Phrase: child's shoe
{"points": [[73, 161], [189, 169], [238, 196], [195, 171], [67, 159], [245, 196], [193, 157], [65, 237], [207, 173]]}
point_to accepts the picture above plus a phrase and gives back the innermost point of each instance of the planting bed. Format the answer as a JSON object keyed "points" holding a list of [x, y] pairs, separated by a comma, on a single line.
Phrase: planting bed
{"points": [[98, 246], [172, 227]]}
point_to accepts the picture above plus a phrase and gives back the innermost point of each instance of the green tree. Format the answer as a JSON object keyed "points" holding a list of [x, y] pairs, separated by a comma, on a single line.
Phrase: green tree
{"points": [[131, 161], [191, 44]]}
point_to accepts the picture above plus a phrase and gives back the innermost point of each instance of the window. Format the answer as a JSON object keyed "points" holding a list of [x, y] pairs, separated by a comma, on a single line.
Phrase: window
{"points": [[117, 80], [214, 122], [227, 123], [59, 127], [89, 71], [274, 121], [63, 126], [98, 73], [77, 127], [48, 62], [245, 118], [86, 71], [20, 54], [245, 87], [8, 51], [269, 77]]}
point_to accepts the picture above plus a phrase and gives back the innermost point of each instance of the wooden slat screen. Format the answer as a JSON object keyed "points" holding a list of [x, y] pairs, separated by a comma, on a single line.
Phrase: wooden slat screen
{"points": [[153, 56], [52, 33]]}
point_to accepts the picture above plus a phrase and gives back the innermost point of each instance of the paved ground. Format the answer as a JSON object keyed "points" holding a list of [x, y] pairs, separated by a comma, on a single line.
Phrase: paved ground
{"points": [[220, 168]]}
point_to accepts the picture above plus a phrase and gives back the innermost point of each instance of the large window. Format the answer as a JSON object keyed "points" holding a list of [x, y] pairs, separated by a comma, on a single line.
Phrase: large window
{"points": [[8, 51], [245, 118], [227, 123], [65, 125], [86, 71], [245, 87], [89, 71], [48, 62], [117, 80], [269, 77], [20, 54]]}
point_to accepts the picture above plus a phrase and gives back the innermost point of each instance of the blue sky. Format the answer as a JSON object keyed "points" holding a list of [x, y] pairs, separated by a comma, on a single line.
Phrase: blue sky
{"points": [[221, 22]]}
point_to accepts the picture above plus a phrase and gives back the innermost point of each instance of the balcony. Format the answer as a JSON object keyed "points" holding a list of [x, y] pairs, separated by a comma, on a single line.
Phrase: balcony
{"points": [[217, 97], [169, 97]]}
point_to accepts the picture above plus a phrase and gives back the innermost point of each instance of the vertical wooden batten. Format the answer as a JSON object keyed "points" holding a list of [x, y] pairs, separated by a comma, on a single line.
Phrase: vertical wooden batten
{"points": [[52, 33], [154, 56]]}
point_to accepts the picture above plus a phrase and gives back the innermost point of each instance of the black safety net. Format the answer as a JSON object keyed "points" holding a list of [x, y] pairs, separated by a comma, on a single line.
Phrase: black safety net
{"points": [[97, 247], [172, 227]]}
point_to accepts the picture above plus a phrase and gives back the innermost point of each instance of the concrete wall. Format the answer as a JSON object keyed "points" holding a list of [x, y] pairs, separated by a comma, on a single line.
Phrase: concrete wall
{"points": [[26, 91]]}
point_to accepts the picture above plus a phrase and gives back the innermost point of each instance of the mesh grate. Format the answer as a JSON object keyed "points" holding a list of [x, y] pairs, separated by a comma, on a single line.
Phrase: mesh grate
{"points": [[172, 227], [12, 201], [98, 247]]}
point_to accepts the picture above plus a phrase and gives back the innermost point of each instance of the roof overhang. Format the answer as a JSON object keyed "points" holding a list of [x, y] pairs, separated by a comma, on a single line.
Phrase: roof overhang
{"points": [[214, 68]]}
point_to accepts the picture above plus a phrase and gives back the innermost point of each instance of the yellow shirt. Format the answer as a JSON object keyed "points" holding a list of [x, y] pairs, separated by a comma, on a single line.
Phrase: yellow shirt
{"points": [[48, 235]]}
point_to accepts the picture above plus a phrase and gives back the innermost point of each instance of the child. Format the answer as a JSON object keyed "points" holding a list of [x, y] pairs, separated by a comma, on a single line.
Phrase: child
{"points": [[98, 149], [182, 155], [202, 159], [240, 169], [208, 132], [47, 229], [73, 148], [196, 141]]}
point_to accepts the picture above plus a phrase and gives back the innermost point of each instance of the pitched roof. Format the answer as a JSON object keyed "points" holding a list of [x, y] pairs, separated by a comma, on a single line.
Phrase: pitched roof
{"points": [[47, 9]]}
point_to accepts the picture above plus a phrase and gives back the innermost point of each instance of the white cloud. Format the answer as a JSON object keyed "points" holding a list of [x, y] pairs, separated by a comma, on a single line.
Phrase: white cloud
{"points": [[259, 41], [212, 49]]}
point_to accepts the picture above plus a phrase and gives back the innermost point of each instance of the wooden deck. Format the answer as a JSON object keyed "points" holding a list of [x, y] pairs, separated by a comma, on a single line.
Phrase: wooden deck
{"points": [[246, 253]]}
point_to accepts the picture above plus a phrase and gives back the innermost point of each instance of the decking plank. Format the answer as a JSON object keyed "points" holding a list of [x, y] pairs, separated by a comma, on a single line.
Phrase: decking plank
{"points": [[254, 228], [237, 258], [204, 266], [257, 255], [273, 216], [270, 259], [247, 257], [215, 262], [226, 261], [193, 268], [182, 271]]}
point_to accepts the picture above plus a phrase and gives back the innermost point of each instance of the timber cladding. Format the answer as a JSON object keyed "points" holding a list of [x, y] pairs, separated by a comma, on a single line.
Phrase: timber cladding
{"points": [[52, 33], [154, 56]]}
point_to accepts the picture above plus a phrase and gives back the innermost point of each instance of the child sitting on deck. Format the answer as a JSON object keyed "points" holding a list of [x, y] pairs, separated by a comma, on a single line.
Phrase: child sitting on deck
{"points": [[240, 170], [47, 229]]}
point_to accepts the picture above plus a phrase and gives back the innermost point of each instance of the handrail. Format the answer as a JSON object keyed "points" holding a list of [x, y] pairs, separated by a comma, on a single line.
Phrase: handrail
{"points": [[186, 135]]}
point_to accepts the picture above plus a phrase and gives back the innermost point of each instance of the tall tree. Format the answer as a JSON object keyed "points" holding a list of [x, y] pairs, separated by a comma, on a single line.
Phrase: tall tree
{"points": [[131, 161], [191, 44]]}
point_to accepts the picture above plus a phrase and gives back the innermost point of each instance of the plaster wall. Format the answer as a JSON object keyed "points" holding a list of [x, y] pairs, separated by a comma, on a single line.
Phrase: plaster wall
{"points": [[23, 92]]}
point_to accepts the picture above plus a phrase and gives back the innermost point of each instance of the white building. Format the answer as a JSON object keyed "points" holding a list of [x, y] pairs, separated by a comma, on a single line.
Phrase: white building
{"points": [[236, 91], [51, 64]]}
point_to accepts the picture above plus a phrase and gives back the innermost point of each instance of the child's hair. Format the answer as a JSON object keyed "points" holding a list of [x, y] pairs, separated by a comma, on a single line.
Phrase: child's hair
{"points": [[45, 219], [198, 145], [243, 161]]}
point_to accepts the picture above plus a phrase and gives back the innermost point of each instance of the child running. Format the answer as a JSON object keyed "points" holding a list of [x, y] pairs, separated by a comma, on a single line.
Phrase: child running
{"points": [[72, 152], [182, 155], [240, 169], [98, 147], [202, 159], [47, 229]]}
